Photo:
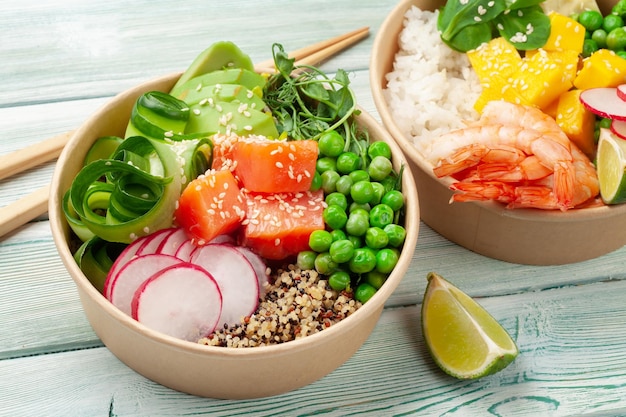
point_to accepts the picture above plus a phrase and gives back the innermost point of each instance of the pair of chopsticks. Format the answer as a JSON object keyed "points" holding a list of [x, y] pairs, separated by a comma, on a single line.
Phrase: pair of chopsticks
{"points": [[35, 204]]}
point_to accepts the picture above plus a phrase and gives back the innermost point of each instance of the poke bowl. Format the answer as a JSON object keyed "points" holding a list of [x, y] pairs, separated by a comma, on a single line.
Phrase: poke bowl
{"points": [[199, 368], [533, 236]]}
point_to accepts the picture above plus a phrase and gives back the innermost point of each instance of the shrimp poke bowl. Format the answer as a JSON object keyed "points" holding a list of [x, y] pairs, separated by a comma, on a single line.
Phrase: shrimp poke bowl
{"points": [[498, 113], [223, 247]]}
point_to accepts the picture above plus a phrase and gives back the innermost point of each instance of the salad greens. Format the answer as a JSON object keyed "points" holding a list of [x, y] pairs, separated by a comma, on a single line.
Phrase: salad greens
{"points": [[465, 24]]}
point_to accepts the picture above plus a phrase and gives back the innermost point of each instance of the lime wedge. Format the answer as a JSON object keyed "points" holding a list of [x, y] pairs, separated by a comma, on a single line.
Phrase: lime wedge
{"points": [[611, 166], [463, 338]]}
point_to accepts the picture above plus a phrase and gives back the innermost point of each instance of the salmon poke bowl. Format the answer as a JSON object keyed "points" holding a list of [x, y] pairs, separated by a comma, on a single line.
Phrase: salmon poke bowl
{"points": [[219, 246]]}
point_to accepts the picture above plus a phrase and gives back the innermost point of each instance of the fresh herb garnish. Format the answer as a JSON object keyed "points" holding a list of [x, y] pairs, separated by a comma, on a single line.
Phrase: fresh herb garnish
{"points": [[465, 24], [305, 102]]}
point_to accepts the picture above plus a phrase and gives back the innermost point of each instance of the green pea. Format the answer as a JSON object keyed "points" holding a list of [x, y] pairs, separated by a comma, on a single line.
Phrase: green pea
{"points": [[376, 238], [357, 242], [343, 184], [379, 192], [362, 192], [599, 36], [337, 198], [331, 143], [359, 175], [348, 162], [339, 280], [326, 163], [306, 259], [329, 181], [324, 264], [320, 240], [386, 260], [396, 234], [616, 39], [590, 19], [389, 183], [364, 292], [358, 222], [621, 54], [605, 122], [379, 148], [379, 168], [341, 251], [393, 199], [589, 47], [359, 206], [381, 215], [376, 279], [611, 22], [316, 184], [363, 260], [335, 217], [338, 234]]}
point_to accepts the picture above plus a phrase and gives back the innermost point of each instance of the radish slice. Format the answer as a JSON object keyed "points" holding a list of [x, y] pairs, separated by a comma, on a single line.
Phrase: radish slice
{"points": [[153, 241], [182, 301], [172, 242], [134, 274], [221, 239], [185, 249], [259, 266], [619, 128], [127, 254], [621, 91], [235, 277], [604, 102]]}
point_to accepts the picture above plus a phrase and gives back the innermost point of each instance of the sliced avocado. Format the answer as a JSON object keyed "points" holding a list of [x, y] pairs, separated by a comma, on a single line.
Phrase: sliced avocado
{"points": [[233, 116], [225, 92], [242, 76], [218, 56]]}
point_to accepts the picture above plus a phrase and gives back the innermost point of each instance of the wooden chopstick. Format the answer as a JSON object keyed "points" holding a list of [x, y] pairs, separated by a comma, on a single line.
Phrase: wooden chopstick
{"points": [[35, 204], [316, 53]]}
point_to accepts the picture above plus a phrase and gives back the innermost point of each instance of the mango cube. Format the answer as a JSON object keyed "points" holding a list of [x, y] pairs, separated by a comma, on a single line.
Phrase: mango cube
{"points": [[576, 121], [498, 56], [604, 68], [565, 34]]}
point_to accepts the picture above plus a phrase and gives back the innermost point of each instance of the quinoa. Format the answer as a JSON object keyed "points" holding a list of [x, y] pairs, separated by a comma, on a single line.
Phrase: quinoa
{"points": [[297, 303]]}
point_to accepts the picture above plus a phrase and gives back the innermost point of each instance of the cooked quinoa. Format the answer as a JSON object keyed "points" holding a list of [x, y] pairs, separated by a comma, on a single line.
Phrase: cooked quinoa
{"points": [[296, 304]]}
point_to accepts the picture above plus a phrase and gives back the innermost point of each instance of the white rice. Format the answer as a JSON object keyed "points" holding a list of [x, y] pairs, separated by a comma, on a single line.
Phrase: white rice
{"points": [[432, 88]]}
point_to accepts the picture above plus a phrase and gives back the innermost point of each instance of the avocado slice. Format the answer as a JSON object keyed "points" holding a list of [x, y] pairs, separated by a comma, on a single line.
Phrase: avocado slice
{"points": [[241, 76], [220, 55], [225, 92], [238, 118]]}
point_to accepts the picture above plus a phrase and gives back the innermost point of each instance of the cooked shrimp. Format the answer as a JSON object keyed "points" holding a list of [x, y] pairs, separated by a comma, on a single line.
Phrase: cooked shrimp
{"points": [[528, 169], [546, 146], [472, 155], [483, 191]]}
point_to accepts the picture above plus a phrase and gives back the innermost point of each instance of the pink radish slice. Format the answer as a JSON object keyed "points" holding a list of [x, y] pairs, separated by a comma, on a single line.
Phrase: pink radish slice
{"points": [[185, 249], [154, 240], [619, 128], [172, 242], [235, 277], [621, 91], [182, 301], [127, 254], [259, 266], [604, 102], [134, 274], [220, 239]]}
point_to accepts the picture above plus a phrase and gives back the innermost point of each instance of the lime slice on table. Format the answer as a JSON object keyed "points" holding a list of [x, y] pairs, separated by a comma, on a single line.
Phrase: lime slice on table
{"points": [[611, 166], [462, 337]]}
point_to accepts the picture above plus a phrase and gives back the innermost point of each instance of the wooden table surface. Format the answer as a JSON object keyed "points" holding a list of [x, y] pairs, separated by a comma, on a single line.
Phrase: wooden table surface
{"points": [[62, 59]]}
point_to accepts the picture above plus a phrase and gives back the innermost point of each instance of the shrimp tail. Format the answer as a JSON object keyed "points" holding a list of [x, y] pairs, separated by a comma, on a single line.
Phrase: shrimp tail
{"points": [[483, 191]]}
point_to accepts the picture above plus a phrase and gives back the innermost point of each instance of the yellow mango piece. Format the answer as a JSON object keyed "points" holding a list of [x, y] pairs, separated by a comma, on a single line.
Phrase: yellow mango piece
{"points": [[576, 121], [565, 34], [604, 68], [545, 75], [498, 56], [497, 88]]}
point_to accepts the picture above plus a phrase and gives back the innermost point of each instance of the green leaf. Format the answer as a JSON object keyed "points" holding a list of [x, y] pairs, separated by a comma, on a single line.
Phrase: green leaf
{"points": [[526, 29], [471, 37], [457, 15], [521, 4]]}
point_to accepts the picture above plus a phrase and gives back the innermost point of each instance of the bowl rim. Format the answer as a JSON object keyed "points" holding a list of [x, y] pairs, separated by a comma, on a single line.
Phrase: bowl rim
{"points": [[60, 232], [378, 79]]}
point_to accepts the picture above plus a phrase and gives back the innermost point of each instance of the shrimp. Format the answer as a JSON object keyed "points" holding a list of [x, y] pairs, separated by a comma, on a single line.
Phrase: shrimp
{"points": [[542, 196], [529, 169], [483, 191], [546, 146], [471, 155]]}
